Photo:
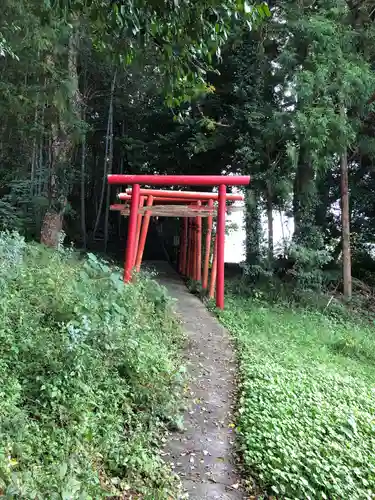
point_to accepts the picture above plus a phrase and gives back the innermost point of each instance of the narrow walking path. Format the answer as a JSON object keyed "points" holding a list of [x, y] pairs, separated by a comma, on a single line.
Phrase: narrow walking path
{"points": [[202, 456]]}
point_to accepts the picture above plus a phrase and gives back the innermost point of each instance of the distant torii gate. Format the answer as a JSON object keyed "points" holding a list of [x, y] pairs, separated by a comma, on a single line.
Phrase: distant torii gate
{"points": [[220, 181]]}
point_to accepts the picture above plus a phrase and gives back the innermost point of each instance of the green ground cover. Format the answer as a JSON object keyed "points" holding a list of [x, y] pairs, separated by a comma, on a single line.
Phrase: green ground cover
{"points": [[89, 377], [306, 421]]}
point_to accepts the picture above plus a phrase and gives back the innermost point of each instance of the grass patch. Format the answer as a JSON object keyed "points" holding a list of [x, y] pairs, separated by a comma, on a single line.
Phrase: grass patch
{"points": [[89, 377], [306, 422]]}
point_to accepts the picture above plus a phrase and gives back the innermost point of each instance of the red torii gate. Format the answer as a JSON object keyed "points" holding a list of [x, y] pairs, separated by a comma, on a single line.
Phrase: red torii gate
{"points": [[179, 180], [190, 264], [178, 209]]}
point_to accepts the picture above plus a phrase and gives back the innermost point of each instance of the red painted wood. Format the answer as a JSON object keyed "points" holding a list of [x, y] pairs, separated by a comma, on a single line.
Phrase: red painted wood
{"points": [[189, 195], [211, 292], [191, 244], [220, 235], [132, 232], [139, 226], [143, 236], [194, 249], [180, 180], [160, 199], [184, 243], [117, 207], [208, 248], [190, 250], [199, 246]]}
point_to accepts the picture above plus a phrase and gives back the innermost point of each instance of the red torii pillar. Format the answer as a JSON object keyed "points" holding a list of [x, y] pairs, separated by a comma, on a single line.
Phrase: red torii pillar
{"points": [[142, 234], [180, 180], [208, 247], [193, 196], [185, 197]]}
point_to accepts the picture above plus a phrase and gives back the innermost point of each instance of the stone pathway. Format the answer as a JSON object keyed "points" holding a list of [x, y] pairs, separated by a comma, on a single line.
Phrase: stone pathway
{"points": [[202, 455]]}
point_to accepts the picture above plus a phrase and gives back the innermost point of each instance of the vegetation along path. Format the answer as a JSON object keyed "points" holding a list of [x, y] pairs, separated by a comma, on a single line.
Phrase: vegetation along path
{"points": [[201, 455]]}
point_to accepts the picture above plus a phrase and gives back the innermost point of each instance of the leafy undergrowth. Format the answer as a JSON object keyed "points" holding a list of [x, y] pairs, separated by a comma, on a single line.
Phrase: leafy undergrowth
{"points": [[89, 377], [306, 422]]}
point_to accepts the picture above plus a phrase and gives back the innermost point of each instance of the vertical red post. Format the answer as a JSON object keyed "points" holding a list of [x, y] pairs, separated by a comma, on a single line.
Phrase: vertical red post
{"points": [[139, 225], [211, 292], [208, 247], [143, 236], [181, 246], [220, 235], [194, 249], [184, 249], [187, 257], [189, 250], [179, 260], [184, 243], [132, 233], [199, 246]]}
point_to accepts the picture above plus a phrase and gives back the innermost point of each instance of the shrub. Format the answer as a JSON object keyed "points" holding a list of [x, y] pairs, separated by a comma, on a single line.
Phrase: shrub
{"points": [[89, 375]]}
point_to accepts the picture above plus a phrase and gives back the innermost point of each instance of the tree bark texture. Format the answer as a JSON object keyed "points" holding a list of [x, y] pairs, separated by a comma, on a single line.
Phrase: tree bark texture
{"points": [[270, 224], [253, 228], [106, 159], [304, 200], [83, 192], [61, 151], [345, 218]]}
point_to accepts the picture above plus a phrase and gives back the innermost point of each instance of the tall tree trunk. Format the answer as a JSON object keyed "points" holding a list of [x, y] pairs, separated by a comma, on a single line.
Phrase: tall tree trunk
{"points": [[83, 193], [34, 156], [122, 163], [253, 228], [110, 162], [42, 141], [62, 146], [304, 200], [53, 219], [323, 186], [95, 183], [105, 168], [345, 218], [270, 223]]}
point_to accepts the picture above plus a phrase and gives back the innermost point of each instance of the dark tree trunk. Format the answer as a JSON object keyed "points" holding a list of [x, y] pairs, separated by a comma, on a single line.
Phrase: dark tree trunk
{"points": [[270, 224], [304, 200], [53, 219], [61, 153], [106, 162], [83, 192], [323, 187], [345, 218], [107, 205], [253, 228], [122, 163]]}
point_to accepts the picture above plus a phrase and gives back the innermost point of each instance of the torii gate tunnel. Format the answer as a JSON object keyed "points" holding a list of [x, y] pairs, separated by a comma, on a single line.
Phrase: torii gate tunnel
{"points": [[188, 205]]}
